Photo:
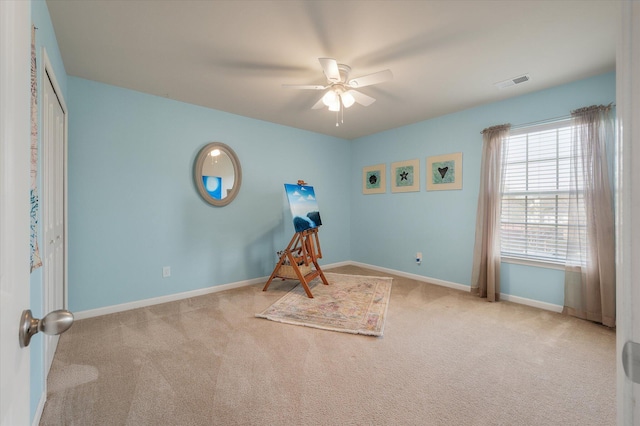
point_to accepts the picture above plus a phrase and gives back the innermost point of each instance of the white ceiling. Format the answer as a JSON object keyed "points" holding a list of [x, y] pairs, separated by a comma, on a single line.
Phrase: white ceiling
{"points": [[234, 56]]}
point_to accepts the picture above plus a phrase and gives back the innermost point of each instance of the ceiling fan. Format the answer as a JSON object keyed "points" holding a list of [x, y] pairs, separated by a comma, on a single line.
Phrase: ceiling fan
{"points": [[340, 90]]}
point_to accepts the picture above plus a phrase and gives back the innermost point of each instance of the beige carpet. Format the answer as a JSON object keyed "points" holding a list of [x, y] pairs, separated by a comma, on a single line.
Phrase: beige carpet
{"points": [[447, 358], [355, 304]]}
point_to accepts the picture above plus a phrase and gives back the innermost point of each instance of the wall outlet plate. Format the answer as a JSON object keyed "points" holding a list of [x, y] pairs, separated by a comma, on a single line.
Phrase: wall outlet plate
{"points": [[166, 271]]}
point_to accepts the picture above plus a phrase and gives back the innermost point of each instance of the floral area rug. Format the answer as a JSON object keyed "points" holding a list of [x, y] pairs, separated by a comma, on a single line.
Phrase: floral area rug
{"points": [[350, 303]]}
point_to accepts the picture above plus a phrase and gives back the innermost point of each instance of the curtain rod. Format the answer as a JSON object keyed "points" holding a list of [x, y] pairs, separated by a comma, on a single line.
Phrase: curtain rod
{"points": [[548, 120]]}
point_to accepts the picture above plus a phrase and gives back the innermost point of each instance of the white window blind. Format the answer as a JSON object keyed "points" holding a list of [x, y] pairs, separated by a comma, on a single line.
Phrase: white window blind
{"points": [[535, 214]]}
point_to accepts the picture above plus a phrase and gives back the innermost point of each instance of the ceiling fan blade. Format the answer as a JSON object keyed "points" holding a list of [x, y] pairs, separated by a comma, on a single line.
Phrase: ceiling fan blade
{"points": [[361, 98], [375, 78], [318, 104], [304, 86], [330, 68]]}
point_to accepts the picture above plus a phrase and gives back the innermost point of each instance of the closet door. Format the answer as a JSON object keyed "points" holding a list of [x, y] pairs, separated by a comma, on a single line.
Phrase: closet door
{"points": [[53, 205]]}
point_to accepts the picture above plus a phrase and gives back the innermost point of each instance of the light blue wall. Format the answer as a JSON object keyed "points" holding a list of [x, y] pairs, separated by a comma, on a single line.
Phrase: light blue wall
{"points": [[530, 282], [45, 38], [388, 229], [133, 206]]}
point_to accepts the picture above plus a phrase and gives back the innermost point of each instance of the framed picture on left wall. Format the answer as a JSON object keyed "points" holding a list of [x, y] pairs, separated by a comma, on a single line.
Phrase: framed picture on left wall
{"points": [[374, 179]]}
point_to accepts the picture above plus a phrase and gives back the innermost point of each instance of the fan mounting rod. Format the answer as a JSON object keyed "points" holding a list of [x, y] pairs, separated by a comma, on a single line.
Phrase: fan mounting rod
{"points": [[344, 70]]}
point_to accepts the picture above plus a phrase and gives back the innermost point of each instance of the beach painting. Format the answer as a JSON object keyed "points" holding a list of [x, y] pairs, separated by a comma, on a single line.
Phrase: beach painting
{"points": [[213, 185], [304, 206]]}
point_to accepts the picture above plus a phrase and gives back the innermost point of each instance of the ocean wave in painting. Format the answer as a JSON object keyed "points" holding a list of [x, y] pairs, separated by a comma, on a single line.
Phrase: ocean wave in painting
{"points": [[312, 220]]}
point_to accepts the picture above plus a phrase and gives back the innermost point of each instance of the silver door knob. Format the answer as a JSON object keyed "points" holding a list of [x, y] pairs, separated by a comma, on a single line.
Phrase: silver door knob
{"points": [[55, 322], [631, 361]]}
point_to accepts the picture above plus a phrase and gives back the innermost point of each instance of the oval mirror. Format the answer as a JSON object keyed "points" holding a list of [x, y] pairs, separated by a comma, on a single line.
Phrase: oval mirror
{"points": [[217, 174]]}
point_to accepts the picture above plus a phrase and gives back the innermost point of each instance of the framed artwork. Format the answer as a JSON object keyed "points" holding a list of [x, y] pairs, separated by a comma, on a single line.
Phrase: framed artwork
{"points": [[444, 172], [405, 176], [374, 179], [304, 207]]}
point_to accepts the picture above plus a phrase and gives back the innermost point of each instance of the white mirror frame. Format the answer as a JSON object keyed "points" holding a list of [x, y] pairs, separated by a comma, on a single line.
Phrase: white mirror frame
{"points": [[197, 174]]}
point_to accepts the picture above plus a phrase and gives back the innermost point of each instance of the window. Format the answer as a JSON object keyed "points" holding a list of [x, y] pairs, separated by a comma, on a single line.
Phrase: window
{"points": [[535, 198]]}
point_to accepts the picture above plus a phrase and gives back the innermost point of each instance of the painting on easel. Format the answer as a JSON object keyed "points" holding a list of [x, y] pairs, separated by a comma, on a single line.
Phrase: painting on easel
{"points": [[304, 206], [213, 185]]}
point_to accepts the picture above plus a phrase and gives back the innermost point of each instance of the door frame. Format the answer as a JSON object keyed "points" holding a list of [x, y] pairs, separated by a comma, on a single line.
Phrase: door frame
{"points": [[627, 204]]}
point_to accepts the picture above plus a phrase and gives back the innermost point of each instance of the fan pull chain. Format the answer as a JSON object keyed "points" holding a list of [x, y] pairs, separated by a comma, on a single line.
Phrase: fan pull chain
{"points": [[340, 113]]}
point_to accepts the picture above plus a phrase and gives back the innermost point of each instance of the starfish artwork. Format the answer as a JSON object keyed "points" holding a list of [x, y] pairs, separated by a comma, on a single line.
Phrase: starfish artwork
{"points": [[406, 175]]}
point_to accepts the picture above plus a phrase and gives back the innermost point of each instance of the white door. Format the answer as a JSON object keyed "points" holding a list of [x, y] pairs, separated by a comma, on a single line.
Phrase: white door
{"points": [[53, 132], [628, 212], [15, 41]]}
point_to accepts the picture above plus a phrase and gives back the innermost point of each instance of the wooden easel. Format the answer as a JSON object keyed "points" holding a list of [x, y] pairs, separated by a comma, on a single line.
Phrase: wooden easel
{"points": [[303, 249]]}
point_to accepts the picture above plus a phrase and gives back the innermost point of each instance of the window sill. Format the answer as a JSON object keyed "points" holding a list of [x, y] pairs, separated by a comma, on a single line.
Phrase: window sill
{"points": [[531, 262]]}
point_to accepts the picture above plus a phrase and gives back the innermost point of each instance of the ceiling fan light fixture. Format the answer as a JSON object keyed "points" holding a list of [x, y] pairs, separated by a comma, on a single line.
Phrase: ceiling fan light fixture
{"points": [[347, 99], [339, 92], [335, 106], [330, 98]]}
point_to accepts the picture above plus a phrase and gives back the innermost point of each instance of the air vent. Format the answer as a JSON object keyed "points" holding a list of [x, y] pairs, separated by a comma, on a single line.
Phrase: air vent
{"points": [[512, 81]]}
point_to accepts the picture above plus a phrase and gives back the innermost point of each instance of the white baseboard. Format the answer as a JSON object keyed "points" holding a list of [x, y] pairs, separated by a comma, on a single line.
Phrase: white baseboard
{"points": [[164, 299], [530, 302], [507, 297], [177, 296], [214, 289], [337, 264], [414, 276]]}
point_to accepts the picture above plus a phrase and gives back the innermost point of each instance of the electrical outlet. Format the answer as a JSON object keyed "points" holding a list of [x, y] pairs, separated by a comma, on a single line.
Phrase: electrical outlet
{"points": [[419, 257], [166, 271]]}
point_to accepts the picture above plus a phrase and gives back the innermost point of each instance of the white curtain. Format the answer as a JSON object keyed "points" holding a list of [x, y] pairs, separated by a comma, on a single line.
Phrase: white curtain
{"points": [[590, 269], [485, 277]]}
